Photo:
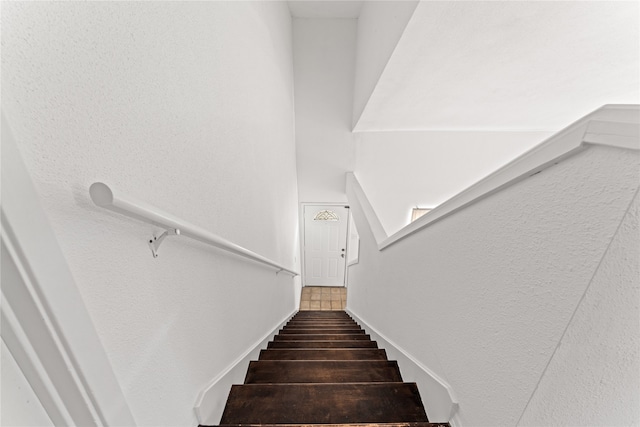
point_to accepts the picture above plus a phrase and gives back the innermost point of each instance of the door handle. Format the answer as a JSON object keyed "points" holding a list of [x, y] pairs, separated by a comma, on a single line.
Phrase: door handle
{"points": [[342, 255]]}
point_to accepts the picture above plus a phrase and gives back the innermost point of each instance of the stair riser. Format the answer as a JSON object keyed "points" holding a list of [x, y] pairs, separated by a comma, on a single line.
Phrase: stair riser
{"points": [[322, 315], [324, 403], [322, 320], [323, 354], [313, 322], [324, 331], [323, 344], [416, 424], [321, 337], [274, 372], [338, 324]]}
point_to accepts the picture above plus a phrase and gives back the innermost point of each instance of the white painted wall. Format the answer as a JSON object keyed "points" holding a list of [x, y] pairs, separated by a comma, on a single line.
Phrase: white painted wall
{"points": [[403, 170], [380, 26], [188, 106], [20, 405], [483, 297], [503, 65], [323, 54], [592, 377]]}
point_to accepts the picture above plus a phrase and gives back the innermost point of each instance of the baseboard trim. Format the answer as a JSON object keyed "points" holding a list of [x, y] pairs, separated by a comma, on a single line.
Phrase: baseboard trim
{"points": [[438, 396], [212, 399]]}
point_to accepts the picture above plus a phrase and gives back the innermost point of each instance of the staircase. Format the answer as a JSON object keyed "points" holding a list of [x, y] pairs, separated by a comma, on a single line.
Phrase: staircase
{"points": [[323, 369]]}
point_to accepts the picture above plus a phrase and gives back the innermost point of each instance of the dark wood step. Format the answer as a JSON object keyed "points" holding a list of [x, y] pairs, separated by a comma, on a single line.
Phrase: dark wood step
{"points": [[321, 326], [321, 337], [323, 354], [311, 323], [322, 344], [324, 331], [416, 424], [344, 318], [321, 314], [322, 321], [323, 403], [331, 371]]}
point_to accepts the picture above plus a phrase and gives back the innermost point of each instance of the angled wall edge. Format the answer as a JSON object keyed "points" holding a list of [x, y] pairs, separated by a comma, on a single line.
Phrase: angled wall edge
{"points": [[616, 126]]}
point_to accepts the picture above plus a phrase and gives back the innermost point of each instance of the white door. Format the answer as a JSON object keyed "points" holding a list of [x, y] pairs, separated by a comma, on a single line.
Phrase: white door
{"points": [[325, 245]]}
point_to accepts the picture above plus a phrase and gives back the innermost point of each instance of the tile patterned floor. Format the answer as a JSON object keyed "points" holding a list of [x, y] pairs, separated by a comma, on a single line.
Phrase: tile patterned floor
{"points": [[323, 298]]}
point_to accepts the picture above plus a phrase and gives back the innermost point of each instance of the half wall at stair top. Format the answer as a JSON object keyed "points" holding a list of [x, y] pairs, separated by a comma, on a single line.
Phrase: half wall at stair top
{"points": [[498, 291]]}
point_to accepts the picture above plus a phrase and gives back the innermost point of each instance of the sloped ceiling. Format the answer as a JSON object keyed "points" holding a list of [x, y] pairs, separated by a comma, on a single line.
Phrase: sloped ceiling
{"points": [[325, 9], [501, 65]]}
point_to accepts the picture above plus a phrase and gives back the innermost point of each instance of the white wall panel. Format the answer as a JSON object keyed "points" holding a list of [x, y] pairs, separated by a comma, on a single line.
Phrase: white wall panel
{"points": [[592, 377], [20, 405], [188, 106], [324, 61], [483, 297], [403, 170]]}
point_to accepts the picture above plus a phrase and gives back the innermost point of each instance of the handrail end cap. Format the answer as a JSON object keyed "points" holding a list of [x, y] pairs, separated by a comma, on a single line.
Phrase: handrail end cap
{"points": [[101, 194]]}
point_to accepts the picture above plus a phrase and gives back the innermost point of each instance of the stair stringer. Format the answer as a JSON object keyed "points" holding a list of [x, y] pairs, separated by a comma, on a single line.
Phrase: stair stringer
{"points": [[213, 398], [438, 397]]}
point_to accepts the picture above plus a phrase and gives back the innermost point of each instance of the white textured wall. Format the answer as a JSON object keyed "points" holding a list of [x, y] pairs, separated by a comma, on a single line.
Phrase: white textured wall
{"points": [[598, 359], [403, 170], [189, 107], [484, 296], [380, 26], [324, 51], [504, 65], [19, 403]]}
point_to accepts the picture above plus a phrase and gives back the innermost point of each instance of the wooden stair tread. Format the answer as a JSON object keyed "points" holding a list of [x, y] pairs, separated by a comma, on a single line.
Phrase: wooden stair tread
{"points": [[314, 371], [319, 320], [323, 370], [315, 313], [323, 354], [307, 312], [322, 315], [324, 331], [323, 403], [322, 344], [414, 424], [322, 337], [322, 320], [314, 325]]}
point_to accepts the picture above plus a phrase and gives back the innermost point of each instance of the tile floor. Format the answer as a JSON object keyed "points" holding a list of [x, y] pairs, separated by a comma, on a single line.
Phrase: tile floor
{"points": [[323, 298]]}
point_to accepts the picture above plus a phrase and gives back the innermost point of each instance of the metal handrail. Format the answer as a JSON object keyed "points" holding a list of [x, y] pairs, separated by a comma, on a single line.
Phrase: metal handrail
{"points": [[103, 196]]}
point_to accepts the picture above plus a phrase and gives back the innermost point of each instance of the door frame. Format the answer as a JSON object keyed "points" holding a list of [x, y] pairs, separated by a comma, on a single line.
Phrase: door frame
{"points": [[303, 240]]}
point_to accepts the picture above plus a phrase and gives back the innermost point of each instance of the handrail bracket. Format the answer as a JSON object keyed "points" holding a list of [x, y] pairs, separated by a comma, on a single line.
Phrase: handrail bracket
{"points": [[156, 241]]}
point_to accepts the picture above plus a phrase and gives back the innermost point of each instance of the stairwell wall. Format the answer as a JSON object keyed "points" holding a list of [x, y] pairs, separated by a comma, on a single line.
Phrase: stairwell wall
{"points": [[595, 362], [483, 297], [188, 106], [380, 27], [323, 59], [406, 169]]}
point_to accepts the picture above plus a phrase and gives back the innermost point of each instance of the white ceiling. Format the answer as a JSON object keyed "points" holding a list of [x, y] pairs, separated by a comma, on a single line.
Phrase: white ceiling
{"points": [[498, 65], [325, 9]]}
